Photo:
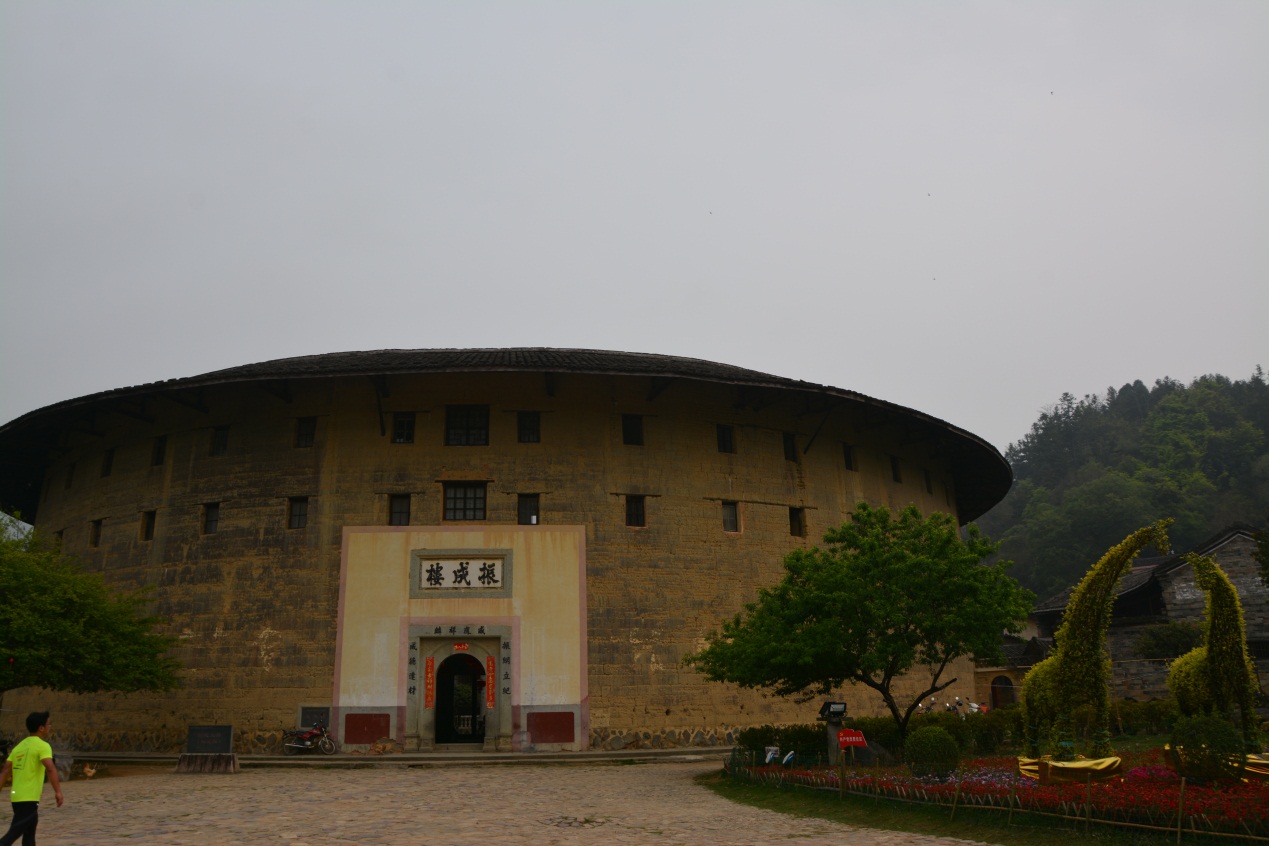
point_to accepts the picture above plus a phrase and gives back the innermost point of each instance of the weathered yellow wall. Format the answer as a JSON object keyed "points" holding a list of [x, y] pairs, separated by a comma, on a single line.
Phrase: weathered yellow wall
{"points": [[255, 604]]}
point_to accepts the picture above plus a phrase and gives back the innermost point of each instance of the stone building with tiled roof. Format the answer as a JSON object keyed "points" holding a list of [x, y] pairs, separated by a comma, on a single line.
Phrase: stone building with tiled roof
{"points": [[1162, 590], [506, 547]]}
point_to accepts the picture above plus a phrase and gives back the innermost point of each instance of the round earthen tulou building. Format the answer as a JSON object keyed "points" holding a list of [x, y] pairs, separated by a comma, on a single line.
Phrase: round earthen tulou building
{"points": [[513, 548]]}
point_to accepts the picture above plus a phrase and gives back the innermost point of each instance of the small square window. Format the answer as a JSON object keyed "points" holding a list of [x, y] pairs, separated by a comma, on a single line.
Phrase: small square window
{"points": [[465, 500], [632, 429], [211, 517], [297, 512], [466, 425], [158, 451], [797, 522], [148, 519], [529, 427], [219, 442], [107, 462], [731, 517], [399, 510], [527, 509], [848, 453], [636, 512], [305, 431], [94, 534], [790, 446], [726, 438], [896, 472], [403, 427]]}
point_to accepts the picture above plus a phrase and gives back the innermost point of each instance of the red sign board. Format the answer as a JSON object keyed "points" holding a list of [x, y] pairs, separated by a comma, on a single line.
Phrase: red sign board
{"points": [[491, 681], [850, 737], [461, 647], [429, 684]]}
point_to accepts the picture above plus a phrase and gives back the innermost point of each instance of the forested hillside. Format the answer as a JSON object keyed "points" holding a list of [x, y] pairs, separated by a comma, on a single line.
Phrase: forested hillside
{"points": [[1092, 470]]}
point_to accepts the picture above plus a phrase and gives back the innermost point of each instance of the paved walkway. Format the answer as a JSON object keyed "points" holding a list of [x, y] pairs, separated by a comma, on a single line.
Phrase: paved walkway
{"points": [[654, 803]]}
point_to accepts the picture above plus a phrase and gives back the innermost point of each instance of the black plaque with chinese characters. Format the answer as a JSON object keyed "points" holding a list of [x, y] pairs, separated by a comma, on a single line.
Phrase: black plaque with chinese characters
{"points": [[210, 739]]}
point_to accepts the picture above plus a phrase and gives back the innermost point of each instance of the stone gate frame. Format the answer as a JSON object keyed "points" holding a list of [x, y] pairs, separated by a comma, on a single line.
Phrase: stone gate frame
{"points": [[483, 641]]}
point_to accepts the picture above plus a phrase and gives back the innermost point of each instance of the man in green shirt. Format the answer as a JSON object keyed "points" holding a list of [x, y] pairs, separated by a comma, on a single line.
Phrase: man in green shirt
{"points": [[27, 763]]}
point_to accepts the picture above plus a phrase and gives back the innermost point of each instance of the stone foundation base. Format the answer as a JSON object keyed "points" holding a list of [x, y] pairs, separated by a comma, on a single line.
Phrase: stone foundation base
{"points": [[615, 739], [207, 762], [166, 743]]}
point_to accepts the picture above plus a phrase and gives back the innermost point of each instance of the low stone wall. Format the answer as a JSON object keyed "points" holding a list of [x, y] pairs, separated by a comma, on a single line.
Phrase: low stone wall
{"points": [[162, 742], [609, 739]]}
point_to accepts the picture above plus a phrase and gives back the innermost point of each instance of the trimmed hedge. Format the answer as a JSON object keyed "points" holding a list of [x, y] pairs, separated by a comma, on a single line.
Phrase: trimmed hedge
{"points": [[1208, 749], [808, 740], [975, 734], [931, 752]]}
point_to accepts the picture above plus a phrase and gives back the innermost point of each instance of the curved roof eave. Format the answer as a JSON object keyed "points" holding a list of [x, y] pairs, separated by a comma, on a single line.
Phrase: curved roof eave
{"points": [[978, 489]]}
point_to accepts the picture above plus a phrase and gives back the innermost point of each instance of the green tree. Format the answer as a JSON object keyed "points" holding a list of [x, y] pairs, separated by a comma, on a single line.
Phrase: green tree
{"points": [[1262, 552], [62, 629], [1091, 470], [1166, 641], [885, 595]]}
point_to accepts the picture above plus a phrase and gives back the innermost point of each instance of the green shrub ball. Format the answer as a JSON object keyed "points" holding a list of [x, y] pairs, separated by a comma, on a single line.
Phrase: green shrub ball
{"points": [[931, 751]]}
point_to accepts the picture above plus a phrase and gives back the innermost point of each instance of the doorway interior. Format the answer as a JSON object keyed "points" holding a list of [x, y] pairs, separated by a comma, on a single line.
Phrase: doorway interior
{"points": [[460, 700]]}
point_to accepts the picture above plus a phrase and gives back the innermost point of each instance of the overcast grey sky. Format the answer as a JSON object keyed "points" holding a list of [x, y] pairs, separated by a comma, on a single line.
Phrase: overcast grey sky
{"points": [[966, 208]]}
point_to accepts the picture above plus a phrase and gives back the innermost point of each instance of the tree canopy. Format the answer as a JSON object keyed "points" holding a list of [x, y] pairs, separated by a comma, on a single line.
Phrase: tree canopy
{"points": [[886, 595], [62, 629], [1092, 470]]}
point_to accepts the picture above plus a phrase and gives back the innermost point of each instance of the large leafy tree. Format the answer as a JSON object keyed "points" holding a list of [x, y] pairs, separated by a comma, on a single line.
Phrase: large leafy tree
{"points": [[1092, 470], [62, 629], [886, 595]]}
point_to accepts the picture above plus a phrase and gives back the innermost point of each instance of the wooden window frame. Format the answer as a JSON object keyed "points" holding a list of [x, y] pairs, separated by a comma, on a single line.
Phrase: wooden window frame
{"points": [[465, 502]]}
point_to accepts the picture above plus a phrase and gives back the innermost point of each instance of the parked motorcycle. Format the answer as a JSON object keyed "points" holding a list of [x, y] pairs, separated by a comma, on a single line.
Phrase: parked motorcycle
{"points": [[306, 740]]}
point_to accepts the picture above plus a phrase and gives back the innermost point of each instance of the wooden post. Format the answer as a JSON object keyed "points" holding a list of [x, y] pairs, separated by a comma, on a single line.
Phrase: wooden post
{"points": [[1180, 810], [956, 797], [1088, 800], [1013, 789]]}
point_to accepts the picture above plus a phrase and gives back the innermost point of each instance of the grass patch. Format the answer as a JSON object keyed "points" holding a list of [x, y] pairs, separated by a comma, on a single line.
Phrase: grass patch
{"points": [[985, 826]]}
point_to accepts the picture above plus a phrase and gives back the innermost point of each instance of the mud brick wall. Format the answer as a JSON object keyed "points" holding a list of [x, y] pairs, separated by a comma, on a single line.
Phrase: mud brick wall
{"points": [[254, 603]]}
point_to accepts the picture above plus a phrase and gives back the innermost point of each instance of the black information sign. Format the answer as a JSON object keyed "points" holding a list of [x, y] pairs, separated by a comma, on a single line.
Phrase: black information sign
{"points": [[210, 739]]}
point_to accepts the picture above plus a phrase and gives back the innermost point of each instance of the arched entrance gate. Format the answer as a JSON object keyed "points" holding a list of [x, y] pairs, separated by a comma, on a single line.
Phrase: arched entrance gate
{"points": [[1003, 692], [462, 694]]}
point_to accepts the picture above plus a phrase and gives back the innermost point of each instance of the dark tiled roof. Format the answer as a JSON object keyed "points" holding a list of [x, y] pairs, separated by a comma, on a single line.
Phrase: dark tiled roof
{"points": [[1217, 540], [1013, 653], [1146, 570], [1140, 575], [538, 359], [982, 475]]}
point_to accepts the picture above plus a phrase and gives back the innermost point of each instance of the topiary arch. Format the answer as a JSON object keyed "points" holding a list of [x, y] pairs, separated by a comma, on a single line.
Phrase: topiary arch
{"points": [[1217, 677], [1078, 671]]}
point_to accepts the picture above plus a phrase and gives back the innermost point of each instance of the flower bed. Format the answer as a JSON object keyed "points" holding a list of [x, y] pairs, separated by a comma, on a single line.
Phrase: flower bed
{"points": [[1146, 794]]}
